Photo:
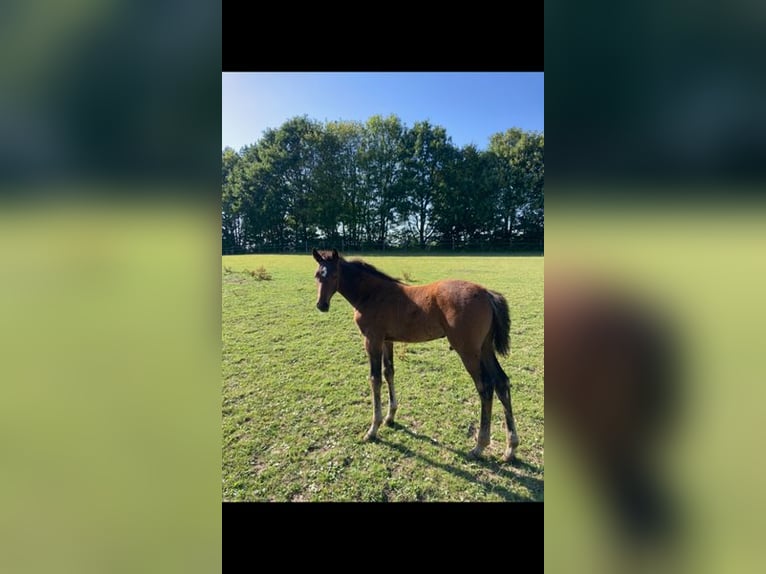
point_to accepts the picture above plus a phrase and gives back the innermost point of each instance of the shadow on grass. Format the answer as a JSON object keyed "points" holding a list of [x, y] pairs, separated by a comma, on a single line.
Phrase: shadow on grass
{"points": [[534, 485]]}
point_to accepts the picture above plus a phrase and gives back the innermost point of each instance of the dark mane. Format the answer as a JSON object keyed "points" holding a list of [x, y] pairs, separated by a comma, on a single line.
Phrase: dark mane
{"points": [[362, 266]]}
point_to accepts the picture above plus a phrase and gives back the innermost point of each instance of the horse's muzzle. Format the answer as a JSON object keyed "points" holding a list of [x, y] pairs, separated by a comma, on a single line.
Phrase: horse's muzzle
{"points": [[322, 306]]}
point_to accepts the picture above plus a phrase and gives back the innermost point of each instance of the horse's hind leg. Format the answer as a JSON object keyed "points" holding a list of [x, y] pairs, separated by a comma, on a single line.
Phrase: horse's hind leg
{"points": [[503, 391], [484, 386], [388, 373]]}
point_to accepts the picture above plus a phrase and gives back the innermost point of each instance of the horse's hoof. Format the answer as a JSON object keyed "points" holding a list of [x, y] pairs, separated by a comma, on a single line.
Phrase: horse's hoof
{"points": [[389, 422], [509, 455], [370, 437], [474, 454]]}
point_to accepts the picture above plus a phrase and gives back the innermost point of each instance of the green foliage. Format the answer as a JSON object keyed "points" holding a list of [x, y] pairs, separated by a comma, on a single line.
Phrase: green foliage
{"points": [[428, 152], [296, 398], [381, 163], [381, 184], [520, 168]]}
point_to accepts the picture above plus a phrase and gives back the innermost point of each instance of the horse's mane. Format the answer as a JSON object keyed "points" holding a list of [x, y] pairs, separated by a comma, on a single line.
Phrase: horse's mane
{"points": [[362, 266]]}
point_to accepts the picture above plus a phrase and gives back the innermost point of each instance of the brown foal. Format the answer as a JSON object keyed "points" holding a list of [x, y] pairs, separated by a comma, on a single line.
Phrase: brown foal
{"points": [[475, 321]]}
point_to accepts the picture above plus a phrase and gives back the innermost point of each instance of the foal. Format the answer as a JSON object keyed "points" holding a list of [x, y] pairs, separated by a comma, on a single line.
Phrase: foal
{"points": [[474, 320]]}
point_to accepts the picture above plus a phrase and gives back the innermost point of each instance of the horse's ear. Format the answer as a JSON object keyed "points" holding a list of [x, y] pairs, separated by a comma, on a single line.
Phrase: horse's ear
{"points": [[334, 254], [316, 255]]}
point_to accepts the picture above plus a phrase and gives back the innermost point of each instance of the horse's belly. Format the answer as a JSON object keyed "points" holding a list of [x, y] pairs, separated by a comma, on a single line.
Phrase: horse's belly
{"points": [[416, 331], [415, 338]]}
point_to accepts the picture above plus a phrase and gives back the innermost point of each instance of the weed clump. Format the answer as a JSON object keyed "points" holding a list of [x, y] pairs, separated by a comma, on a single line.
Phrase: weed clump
{"points": [[260, 274]]}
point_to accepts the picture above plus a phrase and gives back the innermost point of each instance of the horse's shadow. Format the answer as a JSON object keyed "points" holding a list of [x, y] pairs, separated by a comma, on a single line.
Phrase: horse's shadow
{"points": [[532, 484]]}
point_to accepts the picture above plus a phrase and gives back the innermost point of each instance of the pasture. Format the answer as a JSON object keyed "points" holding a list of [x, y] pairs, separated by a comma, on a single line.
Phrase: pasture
{"points": [[296, 397]]}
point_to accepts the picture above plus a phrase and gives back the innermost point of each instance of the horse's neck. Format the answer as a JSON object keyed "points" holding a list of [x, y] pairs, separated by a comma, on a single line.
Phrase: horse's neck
{"points": [[359, 287]]}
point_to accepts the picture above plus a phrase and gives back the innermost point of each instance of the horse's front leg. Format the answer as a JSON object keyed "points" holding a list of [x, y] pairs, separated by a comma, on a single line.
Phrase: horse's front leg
{"points": [[375, 353], [388, 373]]}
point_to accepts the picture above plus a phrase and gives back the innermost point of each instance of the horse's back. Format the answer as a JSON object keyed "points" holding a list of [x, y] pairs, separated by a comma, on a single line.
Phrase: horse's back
{"points": [[458, 294], [465, 308]]}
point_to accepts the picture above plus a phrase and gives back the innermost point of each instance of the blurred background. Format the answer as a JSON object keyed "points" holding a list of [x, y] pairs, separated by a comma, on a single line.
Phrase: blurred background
{"points": [[655, 270], [110, 286], [110, 290]]}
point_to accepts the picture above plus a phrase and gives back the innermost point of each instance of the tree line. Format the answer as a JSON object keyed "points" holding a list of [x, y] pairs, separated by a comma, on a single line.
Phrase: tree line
{"points": [[380, 184]]}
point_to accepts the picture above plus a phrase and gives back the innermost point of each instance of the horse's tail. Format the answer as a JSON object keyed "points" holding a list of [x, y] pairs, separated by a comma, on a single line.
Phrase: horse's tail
{"points": [[501, 322]]}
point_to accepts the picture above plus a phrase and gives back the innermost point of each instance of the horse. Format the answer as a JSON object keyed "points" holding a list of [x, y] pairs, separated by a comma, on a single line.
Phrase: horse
{"points": [[612, 385], [475, 321]]}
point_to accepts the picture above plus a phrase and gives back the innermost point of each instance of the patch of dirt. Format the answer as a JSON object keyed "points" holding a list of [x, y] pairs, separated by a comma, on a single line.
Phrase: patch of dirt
{"points": [[257, 467]]}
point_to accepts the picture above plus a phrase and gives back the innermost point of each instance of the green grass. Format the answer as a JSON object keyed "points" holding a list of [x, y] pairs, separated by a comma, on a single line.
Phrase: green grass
{"points": [[296, 397]]}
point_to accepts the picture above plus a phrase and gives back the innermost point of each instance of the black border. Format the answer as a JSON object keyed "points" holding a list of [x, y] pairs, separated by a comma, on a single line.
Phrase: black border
{"points": [[315, 39], [477, 527]]}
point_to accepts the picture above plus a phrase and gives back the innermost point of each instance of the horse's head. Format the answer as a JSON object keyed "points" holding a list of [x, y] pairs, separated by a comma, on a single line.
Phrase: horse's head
{"points": [[327, 276]]}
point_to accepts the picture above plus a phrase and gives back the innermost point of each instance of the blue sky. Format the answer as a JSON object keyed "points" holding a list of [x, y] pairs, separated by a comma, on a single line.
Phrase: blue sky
{"points": [[470, 106]]}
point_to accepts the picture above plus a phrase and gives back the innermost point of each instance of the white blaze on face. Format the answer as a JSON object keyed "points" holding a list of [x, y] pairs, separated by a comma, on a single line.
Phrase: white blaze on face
{"points": [[323, 272]]}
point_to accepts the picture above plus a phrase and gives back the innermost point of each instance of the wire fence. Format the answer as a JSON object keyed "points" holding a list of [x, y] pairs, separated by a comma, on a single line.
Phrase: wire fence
{"points": [[520, 246]]}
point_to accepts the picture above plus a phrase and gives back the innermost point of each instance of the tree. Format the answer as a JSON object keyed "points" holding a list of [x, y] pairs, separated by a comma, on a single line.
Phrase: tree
{"points": [[381, 163], [464, 212], [264, 206], [231, 196], [335, 178], [378, 184], [348, 138], [290, 156], [529, 173], [427, 153], [520, 176]]}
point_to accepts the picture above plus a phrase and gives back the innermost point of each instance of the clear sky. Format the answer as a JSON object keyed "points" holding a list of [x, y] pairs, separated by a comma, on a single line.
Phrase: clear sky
{"points": [[470, 106]]}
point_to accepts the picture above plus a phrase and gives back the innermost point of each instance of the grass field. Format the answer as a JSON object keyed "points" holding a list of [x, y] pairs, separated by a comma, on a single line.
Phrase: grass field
{"points": [[296, 397]]}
